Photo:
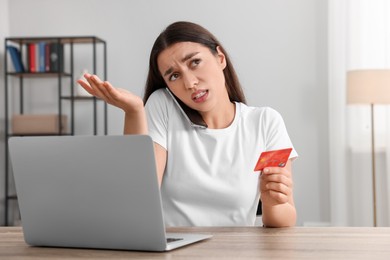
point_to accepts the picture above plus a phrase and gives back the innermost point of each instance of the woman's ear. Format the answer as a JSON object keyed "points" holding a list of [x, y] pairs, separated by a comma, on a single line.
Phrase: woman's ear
{"points": [[221, 57]]}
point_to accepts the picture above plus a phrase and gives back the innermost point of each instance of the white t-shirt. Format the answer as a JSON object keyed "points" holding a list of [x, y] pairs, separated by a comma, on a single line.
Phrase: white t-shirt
{"points": [[209, 178]]}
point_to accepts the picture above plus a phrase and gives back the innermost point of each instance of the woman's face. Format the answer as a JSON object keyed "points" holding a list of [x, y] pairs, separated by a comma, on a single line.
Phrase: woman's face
{"points": [[194, 75]]}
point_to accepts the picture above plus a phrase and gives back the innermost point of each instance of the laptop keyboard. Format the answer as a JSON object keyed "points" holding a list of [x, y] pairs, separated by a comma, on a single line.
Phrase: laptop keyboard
{"points": [[170, 240]]}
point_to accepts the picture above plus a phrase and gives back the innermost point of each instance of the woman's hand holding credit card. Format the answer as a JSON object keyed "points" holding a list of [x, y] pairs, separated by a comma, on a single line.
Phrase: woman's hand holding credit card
{"points": [[275, 178]]}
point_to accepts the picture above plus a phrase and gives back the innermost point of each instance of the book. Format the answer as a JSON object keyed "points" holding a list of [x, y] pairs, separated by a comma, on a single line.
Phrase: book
{"points": [[47, 57], [56, 57], [27, 58], [41, 55], [16, 58], [32, 58], [36, 57]]}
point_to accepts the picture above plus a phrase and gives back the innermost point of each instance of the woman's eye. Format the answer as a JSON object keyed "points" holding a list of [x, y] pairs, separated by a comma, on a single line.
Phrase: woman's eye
{"points": [[195, 62], [174, 76]]}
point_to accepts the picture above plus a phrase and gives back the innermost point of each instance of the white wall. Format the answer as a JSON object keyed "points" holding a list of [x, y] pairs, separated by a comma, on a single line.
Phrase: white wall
{"points": [[278, 48]]}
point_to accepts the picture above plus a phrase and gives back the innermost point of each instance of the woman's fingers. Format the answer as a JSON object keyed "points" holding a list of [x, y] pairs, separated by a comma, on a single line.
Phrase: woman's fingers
{"points": [[98, 88], [120, 98], [94, 90], [278, 187], [114, 94], [279, 197], [87, 87], [276, 184], [97, 84], [277, 178], [276, 170]]}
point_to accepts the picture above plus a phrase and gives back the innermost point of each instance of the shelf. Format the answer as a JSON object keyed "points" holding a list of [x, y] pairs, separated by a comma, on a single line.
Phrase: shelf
{"points": [[64, 80], [38, 74], [80, 98], [42, 134], [12, 197], [59, 39]]}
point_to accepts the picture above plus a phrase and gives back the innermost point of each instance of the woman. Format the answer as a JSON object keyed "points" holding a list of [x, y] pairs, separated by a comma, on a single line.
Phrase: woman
{"points": [[207, 141]]}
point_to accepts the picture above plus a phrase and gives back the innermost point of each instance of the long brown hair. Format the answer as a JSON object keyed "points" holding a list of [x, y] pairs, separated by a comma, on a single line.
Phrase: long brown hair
{"points": [[189, 32]]}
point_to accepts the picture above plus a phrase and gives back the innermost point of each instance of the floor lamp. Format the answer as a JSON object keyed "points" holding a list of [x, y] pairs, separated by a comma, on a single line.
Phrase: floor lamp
{"points": [[369, 87]]}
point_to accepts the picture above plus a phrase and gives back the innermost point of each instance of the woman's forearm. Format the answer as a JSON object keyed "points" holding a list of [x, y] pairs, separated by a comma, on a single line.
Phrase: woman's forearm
{"points": [[135, 122], [281, 215]]}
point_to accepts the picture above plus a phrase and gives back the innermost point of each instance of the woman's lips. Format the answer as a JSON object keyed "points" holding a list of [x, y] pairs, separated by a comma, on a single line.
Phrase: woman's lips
{"points": [[200, 96]]}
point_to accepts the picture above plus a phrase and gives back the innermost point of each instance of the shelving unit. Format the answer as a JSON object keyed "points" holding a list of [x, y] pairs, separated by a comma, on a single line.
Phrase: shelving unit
{"points": [[68, 73]]}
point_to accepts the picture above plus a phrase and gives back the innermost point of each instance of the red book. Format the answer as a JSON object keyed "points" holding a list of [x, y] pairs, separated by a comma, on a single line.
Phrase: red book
{"points": [[32, 58]]}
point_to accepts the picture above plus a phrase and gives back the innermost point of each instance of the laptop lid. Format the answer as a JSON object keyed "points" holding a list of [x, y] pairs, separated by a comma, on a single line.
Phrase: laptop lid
{"points": [[90, 192]]}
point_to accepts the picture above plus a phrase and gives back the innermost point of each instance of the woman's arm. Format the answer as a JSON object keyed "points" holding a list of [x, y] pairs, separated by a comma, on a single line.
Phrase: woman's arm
{"points": [[161, 161], [133, 106], [276, 187]]}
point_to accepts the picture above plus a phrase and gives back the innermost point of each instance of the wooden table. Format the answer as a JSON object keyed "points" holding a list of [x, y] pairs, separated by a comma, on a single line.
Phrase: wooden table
{"points": [[231, 243]]}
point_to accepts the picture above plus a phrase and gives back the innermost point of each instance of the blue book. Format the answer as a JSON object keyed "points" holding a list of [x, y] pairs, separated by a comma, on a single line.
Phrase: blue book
{"points": [[16, 58], [41, 56]]}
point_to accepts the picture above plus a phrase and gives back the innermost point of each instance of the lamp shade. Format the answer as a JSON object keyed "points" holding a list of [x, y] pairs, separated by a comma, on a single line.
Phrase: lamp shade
{"points": [[368, 86]]}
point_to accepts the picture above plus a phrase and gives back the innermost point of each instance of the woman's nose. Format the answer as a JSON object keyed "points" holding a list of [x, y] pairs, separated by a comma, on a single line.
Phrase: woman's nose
{"points": [[190, 80]]}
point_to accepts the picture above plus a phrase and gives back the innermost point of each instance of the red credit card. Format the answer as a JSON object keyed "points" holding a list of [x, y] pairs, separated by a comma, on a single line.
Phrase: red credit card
{"points": [[275, 158]]}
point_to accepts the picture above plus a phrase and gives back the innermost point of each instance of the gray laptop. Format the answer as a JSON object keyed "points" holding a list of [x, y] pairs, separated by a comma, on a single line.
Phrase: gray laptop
{"points": [[91, 192]]}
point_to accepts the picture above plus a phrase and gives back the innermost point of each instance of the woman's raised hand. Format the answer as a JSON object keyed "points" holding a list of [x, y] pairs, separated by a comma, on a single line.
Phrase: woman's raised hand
{"points": [[118, 97]]}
